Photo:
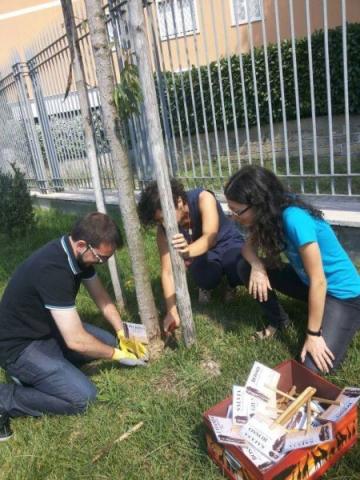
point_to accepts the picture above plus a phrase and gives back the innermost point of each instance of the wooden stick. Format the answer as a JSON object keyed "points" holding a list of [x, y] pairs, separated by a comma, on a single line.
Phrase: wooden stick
{"points": [[289, 397], [327, 401], [308, 416], [283, 394], [306, 395], [320, 399], [124, 436], [295, 430], [292, 391]]}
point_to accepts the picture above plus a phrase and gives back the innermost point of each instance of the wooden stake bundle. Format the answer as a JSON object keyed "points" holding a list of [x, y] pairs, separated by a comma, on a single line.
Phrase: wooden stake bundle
{"points": [[297, 403]]}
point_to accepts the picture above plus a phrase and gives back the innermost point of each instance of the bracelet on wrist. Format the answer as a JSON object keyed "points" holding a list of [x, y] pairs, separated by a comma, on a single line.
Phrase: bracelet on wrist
{"points": [[314, 333]]}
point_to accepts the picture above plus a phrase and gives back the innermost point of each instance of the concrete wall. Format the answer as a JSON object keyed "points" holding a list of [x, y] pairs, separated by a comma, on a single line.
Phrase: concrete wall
{"points": [[339, 139]]}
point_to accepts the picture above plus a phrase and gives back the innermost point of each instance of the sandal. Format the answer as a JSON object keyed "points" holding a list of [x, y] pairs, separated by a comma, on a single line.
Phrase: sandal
{"points": [[265, 334]]}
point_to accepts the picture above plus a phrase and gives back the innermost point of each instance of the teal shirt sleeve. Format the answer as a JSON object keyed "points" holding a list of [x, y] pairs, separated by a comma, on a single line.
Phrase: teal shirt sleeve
{"points": [[299, 227]]}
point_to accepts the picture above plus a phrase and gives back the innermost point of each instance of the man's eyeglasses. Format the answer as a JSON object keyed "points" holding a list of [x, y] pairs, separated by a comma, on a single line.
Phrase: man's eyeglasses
{"points": [[99, 258], [239, 212]]}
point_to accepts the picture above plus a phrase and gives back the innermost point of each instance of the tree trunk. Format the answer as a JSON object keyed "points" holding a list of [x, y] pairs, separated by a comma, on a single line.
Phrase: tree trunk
{"points": [[140, 42], [86, 117], [121, 166]]}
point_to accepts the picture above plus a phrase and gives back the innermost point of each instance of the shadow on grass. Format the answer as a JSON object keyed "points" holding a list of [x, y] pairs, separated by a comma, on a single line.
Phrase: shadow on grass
{"points": [[198, 433]]}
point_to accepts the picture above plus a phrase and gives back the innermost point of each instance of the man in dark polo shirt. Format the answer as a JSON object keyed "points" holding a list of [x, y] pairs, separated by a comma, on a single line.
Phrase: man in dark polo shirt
{"points": [[43, 340]]}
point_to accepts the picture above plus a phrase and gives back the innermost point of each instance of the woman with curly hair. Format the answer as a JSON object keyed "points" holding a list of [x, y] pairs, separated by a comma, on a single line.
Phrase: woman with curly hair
{"points": [[319, 270]]}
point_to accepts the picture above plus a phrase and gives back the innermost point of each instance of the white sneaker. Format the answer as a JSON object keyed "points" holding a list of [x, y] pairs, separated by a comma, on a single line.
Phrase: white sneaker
{"points": [[204, 296]]}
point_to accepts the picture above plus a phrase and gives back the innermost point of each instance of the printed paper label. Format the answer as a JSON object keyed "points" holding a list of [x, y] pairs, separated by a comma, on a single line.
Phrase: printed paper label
{"points": [[245, 406], [348, 397], [268, 438], [226, 431], [257, 458], [316, 436], [262, 382], [136, 331], [240, 407]]}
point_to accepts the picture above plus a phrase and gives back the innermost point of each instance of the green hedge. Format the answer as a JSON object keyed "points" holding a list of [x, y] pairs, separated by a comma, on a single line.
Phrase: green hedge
{"points": [[16, 213], [318, 52]]}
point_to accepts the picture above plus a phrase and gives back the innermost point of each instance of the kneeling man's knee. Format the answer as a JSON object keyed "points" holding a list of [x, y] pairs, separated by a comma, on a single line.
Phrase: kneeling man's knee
{"points": [[82, 399]]}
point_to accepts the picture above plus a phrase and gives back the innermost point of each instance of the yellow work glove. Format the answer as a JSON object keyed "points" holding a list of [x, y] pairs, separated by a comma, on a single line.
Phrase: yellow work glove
{"points": [[133, 346], [124, 357]]}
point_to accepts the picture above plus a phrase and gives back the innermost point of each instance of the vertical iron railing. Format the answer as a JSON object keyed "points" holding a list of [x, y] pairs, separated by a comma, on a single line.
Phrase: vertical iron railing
{"points": [[14, 143], [19, 73], [238, 82]]}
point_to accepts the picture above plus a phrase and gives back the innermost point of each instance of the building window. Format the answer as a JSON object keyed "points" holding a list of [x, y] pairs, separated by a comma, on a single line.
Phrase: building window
{"points": [[176, 18], [246, 10]]}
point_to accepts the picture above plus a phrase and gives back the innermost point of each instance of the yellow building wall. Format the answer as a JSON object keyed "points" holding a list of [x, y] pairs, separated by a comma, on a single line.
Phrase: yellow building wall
{"points": [[236, 38], [18, 32]]}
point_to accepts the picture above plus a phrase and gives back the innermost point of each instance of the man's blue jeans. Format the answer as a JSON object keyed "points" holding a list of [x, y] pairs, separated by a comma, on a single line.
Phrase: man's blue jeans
{"points": [[50, 380]]}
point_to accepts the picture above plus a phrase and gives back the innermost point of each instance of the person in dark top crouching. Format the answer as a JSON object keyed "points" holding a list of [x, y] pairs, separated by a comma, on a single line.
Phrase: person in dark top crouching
{"points": [[42, 338], [211, 246]]}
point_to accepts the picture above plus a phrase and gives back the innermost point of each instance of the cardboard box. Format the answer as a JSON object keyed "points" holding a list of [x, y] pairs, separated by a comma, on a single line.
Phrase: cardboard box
{"points": [[307, 463]]}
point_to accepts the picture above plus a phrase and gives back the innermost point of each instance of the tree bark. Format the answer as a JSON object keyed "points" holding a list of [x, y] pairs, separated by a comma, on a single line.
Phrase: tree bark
{"points": [[86, 117], [121, 166], [142, 51]]}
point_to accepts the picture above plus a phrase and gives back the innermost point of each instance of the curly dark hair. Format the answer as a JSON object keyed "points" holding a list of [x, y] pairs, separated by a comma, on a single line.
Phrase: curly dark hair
{"points": [[260, 188], [150, 200]]}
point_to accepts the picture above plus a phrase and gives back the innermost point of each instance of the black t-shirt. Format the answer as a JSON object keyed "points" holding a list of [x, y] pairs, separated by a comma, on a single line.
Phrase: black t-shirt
{"points": [[49, 279]]}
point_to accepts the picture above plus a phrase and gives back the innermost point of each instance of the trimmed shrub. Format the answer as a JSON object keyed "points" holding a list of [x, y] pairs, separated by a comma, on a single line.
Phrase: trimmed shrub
{"points": [[179, 89], [16, 212]]}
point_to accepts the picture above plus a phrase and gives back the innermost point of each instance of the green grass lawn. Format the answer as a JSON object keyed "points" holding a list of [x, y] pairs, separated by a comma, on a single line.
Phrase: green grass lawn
{"points": [[169, 396]]}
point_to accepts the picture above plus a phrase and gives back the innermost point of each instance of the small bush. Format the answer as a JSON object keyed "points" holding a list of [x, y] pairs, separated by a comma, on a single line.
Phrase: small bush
{"points": [[16, 212]]}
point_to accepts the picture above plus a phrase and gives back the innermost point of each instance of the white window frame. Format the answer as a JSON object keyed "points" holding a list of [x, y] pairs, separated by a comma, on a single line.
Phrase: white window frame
{"points": [[177, 35], [246, 20]]}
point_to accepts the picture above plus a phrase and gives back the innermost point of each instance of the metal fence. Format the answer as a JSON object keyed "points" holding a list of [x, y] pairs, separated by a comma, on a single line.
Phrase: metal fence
{"points": [[18, 139], [271, 82]]}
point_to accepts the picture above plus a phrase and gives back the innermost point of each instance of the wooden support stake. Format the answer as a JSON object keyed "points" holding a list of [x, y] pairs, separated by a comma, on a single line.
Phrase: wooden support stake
{"points": [[306, 395], [308, 416], [327, 401], [283, 394], [124, 436], [292, 391], [290, 397]]}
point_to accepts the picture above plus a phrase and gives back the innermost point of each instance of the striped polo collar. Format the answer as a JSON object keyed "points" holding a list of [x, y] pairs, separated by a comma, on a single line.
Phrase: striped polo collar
{"points": [[66, 245]]}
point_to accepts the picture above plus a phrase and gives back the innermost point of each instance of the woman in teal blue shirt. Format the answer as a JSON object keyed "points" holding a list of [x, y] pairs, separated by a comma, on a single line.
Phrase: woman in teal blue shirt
{"points": [[319, 269]]}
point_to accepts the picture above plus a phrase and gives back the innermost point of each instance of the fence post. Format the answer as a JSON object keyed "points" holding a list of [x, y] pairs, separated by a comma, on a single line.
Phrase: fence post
{"points": [[136, 124], [13, 136], [49, 144], [19, 72]]}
